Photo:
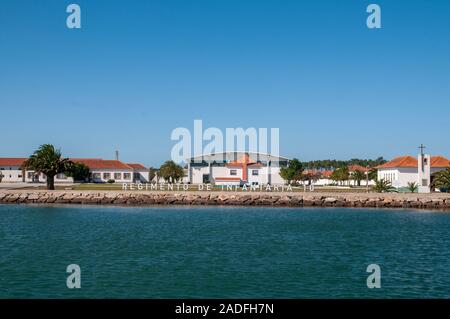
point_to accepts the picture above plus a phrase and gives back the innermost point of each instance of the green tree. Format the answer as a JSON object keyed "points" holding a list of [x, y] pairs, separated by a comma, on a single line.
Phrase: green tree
{"points": [[79, 172], [383, 186], [373, 174], [358, 176], [333, 164], [441, 180], [340, 175], [292, 172], [47, 160], [413, 187], [171, 172]]}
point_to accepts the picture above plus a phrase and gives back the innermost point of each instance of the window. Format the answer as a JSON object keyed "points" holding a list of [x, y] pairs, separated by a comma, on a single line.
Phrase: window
{"points": [[127, 176], [117, 175], [255, 172], [96, 176], [233, 172], [106, 176], [30, 175]]}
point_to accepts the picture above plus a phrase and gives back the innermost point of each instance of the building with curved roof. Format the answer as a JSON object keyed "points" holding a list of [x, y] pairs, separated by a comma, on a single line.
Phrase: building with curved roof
{"points": [[236, 168]]}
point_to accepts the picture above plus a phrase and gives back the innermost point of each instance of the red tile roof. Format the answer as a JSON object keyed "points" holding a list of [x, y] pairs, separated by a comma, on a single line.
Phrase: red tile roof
{"points": [[410, 161], [327, 173], [92, 163], [137, 166], [440, 162], [12, 161], [353, 168], [97, 163], [317, 172]]}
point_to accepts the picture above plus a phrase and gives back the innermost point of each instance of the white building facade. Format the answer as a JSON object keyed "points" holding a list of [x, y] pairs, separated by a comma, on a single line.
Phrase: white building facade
{"points": [[10, 170], [236, 168], [405, 169], [101, 171]]}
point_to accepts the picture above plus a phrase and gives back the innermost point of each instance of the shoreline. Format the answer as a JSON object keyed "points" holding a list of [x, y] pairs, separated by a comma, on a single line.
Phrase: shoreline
{"points": [[435, 201]]}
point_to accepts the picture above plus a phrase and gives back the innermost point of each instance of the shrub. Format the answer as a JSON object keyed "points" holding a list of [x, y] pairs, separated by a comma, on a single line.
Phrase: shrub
{"points": [[413, 187], [111, 181], [383, 186]]}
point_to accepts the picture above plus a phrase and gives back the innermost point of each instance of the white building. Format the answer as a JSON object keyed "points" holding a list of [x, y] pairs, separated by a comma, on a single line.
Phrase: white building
{"points": [[10, 169], [236, 168], [403, 170], [101, 171]]}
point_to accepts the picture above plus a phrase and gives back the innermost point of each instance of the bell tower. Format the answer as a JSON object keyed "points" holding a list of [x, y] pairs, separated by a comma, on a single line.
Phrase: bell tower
{"points": [[424, 171]]}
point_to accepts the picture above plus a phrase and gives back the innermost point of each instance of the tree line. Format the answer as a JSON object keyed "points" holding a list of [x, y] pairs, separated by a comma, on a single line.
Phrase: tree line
{"points": [[335, 164]]}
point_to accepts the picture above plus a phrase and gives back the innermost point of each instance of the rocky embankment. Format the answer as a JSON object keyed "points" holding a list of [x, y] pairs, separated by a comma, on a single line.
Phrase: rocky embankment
{"points": [[423, 201]]}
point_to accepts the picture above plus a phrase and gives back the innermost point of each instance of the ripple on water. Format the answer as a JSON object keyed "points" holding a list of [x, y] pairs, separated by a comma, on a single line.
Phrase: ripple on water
{"points": [[215, 252]]}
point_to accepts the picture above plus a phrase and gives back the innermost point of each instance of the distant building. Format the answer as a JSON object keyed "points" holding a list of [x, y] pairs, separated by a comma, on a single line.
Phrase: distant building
{"points": [[10, 169], [322, 177], [404, 169], [236, 168], [100, 171]]}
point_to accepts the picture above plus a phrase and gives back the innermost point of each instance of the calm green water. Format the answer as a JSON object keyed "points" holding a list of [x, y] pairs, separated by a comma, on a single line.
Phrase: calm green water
{"points": [[174, 252]]}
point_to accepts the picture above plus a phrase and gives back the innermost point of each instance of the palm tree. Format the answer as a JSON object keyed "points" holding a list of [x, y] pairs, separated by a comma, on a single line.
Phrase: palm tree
{"points": [[47, 160], [442, 180], [358, 176], [383, 186], [373, 174], [170, 171], [413, 187]]}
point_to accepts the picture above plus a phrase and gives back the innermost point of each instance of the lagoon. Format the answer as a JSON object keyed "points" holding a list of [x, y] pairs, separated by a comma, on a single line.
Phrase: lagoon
{"points": [[222, 252]]}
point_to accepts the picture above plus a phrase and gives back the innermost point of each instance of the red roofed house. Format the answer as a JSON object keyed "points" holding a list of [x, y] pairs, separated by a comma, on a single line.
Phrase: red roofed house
{"points": [[10, 169], [404, 169], [100, 171]]}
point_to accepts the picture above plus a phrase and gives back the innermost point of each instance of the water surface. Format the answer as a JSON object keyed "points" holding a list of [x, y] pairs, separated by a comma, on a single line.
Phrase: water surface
{"points": [[215, 252]]}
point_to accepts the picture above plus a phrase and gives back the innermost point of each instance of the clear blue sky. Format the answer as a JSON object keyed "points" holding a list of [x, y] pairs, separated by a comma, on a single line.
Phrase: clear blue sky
{"points": [[138, 69]]}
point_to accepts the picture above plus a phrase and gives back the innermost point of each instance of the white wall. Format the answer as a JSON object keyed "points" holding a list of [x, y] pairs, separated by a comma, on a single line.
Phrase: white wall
{"points": [[223, 171], [60, 178], [399, 177], [118, 179], [11, 174]]}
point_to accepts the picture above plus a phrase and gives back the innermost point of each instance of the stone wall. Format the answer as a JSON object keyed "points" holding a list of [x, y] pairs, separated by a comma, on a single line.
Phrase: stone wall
{"points": [[423, 201]]}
